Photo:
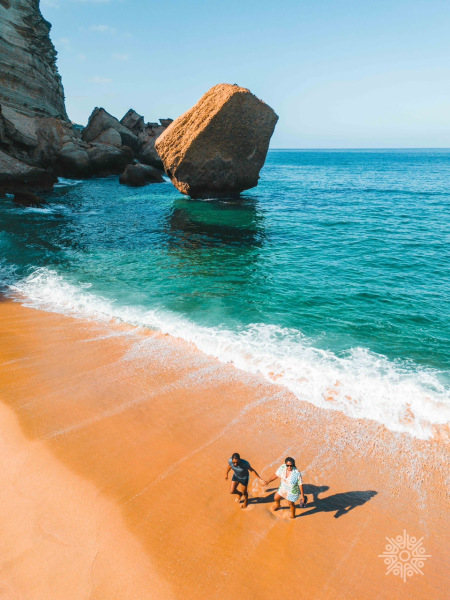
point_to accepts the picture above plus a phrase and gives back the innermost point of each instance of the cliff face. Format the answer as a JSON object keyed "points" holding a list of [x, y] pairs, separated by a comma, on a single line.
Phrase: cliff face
{"points": [[37, 140], [29, 79], [33, 116]]}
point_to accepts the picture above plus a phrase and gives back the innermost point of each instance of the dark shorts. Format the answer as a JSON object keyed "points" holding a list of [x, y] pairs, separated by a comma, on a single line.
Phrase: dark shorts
{"points": [[243, 482]]}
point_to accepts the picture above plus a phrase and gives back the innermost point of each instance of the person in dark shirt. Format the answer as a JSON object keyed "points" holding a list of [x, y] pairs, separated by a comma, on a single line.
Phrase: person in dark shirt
{"points": [[241, 474]]}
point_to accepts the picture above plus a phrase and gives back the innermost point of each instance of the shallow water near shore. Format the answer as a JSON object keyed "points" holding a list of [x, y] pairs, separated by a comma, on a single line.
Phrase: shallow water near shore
{"points": [[331, 277]]}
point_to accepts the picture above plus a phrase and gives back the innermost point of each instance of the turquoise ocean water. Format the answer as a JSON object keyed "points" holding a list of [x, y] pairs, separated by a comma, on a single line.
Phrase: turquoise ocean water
{"points": [[331, 277]]}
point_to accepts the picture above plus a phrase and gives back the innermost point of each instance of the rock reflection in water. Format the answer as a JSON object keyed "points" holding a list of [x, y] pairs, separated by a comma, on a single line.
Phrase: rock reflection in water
{"points": [[216, 245], [204, 224]]}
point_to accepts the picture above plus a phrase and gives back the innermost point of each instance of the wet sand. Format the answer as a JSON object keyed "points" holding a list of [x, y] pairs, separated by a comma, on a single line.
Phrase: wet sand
{"points": [[114, 445]]}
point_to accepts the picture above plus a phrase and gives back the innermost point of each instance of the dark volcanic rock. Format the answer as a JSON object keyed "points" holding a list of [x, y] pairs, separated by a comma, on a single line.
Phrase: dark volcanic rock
{"points": [[217, 148], [166, 122], [133, 122], [139, 175], [29, 199], [100, 121]]}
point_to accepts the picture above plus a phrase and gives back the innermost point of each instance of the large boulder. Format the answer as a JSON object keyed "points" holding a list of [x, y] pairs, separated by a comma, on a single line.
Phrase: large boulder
{"points": [[28, 199], [52, 134], [218, 147], [139, 175], [100, 121], [147, 152], [73, 160], [111, 137], [19, 127], [16, 176], [133, 121], [80, 160], [108, 160], [35, 141]]}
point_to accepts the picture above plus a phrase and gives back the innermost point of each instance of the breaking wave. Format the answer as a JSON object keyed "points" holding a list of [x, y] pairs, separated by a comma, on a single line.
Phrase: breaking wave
{"points": [[361, 384]]}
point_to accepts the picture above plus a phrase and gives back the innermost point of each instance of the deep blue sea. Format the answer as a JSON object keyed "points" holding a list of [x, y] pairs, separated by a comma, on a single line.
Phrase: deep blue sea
{"points": [[331, 277]]}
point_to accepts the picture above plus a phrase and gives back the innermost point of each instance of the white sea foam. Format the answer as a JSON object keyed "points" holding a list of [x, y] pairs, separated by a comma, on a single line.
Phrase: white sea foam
{"points": [[63, 182], [46, 209], [362, 384]]}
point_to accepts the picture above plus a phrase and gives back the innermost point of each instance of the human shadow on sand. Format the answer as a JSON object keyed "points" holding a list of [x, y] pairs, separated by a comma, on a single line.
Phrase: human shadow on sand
{"points": [[340, 504]]}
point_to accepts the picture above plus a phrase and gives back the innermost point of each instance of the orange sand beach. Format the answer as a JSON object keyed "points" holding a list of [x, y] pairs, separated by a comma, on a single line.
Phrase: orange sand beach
{"points": [[114, 444]]}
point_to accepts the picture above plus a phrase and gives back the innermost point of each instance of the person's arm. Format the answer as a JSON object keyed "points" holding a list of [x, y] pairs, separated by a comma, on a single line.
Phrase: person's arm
{"points": [[271, 479], [254, 471], [228, 470], [302, 493]]}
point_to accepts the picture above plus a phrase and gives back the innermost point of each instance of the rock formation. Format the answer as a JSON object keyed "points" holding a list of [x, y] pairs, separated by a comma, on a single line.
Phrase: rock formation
{"points": [[28, 199], [147, 151], [29, 81], [139, 175], [133, 122], [73, 160], [110, 136], [130, 132], [37, 140], [31, 95], [101, 121], [147, 134], [108, 160], [218, 147], [16, 176]]}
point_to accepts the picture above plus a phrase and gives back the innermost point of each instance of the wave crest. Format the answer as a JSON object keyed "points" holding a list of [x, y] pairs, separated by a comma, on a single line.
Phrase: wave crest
{"points": [[361, 384]]}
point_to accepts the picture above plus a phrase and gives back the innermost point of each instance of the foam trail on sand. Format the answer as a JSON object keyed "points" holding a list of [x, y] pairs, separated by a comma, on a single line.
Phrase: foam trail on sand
{"points": [[361, 384]]}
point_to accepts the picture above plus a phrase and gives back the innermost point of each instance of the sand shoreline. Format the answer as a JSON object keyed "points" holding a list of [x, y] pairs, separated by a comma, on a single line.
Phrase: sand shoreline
{"points": [[130, 431]]}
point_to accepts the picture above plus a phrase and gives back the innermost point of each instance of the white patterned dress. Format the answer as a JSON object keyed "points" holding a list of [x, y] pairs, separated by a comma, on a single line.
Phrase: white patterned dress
{"points": [[290, 482]]}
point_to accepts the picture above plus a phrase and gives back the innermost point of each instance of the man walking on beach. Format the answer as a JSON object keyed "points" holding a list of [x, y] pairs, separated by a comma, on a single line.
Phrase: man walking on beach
{"points": [[241, 474]]}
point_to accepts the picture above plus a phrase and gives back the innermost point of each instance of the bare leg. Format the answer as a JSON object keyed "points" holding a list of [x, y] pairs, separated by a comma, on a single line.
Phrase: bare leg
{"points": [[292, 507], [234, 490], [245, 494], [276, 506]]}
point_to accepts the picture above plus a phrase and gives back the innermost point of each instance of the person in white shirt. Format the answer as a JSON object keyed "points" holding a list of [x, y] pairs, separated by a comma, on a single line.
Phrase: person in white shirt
{"points": [[291, 486]]}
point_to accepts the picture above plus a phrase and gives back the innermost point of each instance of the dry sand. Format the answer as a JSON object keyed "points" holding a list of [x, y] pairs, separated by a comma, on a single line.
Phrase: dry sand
{"points": [[114, 446]]}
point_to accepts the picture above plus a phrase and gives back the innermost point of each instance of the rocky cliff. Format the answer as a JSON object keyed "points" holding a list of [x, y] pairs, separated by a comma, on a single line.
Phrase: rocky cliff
{"points": [[215, 149], [32, 111], [37, 141], [29, 79]]}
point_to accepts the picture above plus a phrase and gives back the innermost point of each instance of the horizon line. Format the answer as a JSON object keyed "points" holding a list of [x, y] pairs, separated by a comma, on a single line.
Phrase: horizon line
{"points": [[372, 148]]}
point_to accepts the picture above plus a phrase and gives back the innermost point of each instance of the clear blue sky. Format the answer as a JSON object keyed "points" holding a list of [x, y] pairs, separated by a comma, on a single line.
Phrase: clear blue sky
{"points": [[339, 73]]}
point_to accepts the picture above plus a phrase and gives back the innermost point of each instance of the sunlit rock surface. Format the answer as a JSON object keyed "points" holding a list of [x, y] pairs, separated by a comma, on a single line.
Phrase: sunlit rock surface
{"points": [[217, 148]]}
